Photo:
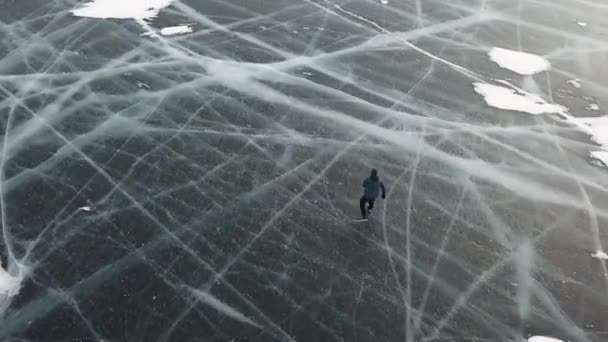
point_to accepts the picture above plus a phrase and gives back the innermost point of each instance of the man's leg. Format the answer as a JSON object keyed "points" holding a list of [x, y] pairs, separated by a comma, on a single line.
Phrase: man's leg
{"points": [[370, 206], [362, 206]]}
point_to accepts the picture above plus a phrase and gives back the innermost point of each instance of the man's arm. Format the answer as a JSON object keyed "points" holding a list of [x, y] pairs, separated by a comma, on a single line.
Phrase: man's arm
{"points": [[383, 190], [365, 183]]}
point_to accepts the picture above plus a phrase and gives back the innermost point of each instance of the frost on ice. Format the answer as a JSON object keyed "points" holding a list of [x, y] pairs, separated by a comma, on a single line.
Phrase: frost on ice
{"points": [[520, 62], [509, 99]]}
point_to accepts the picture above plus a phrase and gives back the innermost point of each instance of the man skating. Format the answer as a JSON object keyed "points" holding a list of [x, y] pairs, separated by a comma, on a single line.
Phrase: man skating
{"points": [[371, 189]]}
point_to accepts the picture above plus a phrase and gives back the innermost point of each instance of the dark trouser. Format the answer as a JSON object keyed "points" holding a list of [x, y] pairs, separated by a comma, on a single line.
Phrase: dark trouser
{"points": [[362, 202]]}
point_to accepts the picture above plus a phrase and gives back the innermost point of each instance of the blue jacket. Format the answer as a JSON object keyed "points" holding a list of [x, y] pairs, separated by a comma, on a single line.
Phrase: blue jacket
{"points": [[372, 187]]}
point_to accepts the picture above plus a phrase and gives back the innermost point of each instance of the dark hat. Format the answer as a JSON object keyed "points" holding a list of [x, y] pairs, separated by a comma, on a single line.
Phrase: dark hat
{"points": [[374, 172]]}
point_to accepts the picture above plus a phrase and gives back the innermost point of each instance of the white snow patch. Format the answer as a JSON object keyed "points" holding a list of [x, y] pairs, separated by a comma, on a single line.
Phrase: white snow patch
{"points": [[173, 30], [600, 255], [122, 9], [575, 83], [221, 307], [593, 106], [543, 339], [597, 128], [509, 99], [522, 63], [602, 156], [9, 285], [581, 23], [384, 2], [596, 161], [86, 208]]}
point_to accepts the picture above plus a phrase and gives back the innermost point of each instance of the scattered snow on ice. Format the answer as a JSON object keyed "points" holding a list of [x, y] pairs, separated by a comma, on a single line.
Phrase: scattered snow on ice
{"points": [[581, 24], [575, 83], [172, 30], [520, 62], [509, 99], [122, 9], [9, 285], [524, 101], [543, 339], [600, 255]]}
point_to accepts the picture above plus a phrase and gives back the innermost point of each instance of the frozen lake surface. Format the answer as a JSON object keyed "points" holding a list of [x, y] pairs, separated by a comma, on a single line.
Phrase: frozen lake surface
{"points": [[189, 170]]}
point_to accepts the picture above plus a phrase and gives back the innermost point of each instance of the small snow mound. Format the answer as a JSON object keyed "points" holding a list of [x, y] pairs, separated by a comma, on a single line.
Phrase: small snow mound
{"points": [[173, 30], [593, 106], [543, 339], [575, 83], [600, 255], [509, 99], [581, 24], [120, 9], [384, 2], [522, 63]]}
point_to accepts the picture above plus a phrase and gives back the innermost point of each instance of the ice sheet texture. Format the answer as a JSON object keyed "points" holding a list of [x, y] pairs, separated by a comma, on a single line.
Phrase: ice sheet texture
{"points": [[202, 186]]}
